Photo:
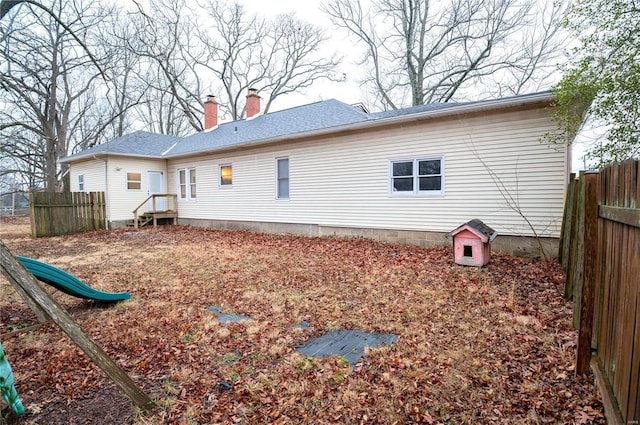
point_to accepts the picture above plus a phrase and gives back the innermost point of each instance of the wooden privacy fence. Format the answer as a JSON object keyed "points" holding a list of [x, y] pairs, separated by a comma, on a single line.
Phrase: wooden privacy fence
{"points": [[68, 212], [600, 251]]}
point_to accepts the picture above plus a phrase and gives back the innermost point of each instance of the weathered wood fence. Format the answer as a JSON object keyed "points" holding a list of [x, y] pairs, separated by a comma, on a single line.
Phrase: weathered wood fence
{"points": [[68, 212], [600, 252]]}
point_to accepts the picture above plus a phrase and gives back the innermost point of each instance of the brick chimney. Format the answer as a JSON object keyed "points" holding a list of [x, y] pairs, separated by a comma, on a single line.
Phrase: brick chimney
{"points": [[253, 103], [210, 112]]}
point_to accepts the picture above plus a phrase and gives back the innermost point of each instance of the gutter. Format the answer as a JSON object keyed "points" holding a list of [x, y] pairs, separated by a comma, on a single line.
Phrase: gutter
{"points": [[93, 155], [466, 108]]}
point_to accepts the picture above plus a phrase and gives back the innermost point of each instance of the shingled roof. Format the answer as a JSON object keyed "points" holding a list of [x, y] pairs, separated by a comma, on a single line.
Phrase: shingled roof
{"points": [[140, 143], [281, 124], [478, 227], [313, 119]]}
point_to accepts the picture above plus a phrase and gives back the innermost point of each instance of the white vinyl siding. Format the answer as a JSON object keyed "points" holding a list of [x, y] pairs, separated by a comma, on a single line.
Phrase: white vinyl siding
{"points": [[92, 173], [344, 180], [120, 200]]}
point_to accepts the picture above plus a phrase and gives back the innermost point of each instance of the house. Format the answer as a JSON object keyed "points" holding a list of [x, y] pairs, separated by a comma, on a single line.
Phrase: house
{"points": [[328, 168]]}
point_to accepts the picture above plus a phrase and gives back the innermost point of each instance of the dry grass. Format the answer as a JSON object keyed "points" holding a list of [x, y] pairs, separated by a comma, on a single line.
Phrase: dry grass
{"points": [[490, 345]]}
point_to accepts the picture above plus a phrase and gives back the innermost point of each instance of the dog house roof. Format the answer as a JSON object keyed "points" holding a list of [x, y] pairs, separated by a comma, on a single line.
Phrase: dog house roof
{"points": [[477, 227]]}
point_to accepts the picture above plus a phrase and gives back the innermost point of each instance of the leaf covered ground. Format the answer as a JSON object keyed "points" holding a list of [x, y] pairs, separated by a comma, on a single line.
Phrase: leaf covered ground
{"points": [[490, 345]]}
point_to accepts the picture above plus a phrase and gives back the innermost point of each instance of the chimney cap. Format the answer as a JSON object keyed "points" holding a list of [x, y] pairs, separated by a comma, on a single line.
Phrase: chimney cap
{"points": [[252, 92], [211, 98]]}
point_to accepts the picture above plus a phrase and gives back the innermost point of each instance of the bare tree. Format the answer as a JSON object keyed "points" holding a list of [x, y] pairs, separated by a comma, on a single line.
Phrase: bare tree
{"points": [[7, 5], [190, 50], [22, 162], [422, 51], [49, 82], [276, 57], [535, 53], [164, 40], [126, 87]]}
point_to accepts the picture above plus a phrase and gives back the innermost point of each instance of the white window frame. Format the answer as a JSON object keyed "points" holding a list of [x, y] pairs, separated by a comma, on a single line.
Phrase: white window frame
{"points": [[80, 182], [416, 177], [278, 179], [190, 193], [133, 181], [220, 183]]}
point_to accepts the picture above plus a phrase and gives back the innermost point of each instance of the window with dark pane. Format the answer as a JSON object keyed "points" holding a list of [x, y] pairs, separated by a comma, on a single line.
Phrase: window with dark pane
{"points": [[403, 176], [429, 175], [429, 167], [402, 169], [430, 183], [417, 176]]}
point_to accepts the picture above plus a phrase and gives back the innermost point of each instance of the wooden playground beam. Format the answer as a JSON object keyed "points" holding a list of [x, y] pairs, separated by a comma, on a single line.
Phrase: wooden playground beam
{"points": [[42, 303]]}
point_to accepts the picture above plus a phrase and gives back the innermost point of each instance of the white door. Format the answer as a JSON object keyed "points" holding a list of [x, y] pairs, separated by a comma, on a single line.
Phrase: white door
{"points": [[156, 186]]}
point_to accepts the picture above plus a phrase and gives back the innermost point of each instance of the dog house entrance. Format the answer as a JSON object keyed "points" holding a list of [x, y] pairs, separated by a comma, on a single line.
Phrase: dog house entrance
{"points": [[468, 251]]}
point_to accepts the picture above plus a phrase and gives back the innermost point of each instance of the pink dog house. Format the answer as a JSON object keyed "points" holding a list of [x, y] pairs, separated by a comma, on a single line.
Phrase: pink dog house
{"points": [[472, 243]]}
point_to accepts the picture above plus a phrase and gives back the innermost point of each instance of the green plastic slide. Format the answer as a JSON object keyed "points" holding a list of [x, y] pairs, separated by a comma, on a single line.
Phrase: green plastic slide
{"points": [[68, 283], [6, 385]]}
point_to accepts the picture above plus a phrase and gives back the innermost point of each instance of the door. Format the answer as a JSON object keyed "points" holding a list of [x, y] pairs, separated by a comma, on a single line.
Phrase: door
{"points": [[156, 186]]}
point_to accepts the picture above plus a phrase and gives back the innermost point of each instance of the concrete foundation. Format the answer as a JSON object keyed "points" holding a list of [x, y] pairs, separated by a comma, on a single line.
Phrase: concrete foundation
{"points": [[522, 246]]}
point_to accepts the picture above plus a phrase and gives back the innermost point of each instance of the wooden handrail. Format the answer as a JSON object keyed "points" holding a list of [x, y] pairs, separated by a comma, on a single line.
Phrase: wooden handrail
{"points": [[153, 197]]}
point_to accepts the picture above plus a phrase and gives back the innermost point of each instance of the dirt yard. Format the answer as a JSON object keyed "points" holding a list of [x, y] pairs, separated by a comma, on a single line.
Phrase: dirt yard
{"points": [[475, 346]]}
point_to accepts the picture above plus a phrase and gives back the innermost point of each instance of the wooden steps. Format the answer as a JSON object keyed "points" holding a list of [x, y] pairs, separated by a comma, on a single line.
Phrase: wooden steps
{"points": [[155, 218]]}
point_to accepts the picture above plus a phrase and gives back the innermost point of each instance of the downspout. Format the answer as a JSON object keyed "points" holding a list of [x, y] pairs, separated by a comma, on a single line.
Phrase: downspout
{"points": [[106, 192]]}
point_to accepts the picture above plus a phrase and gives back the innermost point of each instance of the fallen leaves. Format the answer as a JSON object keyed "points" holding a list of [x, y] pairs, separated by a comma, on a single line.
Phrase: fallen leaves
{"points": [[491, 345]]}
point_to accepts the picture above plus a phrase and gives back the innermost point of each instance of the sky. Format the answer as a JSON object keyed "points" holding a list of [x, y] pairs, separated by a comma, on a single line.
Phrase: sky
{"points": [[309, 10]]}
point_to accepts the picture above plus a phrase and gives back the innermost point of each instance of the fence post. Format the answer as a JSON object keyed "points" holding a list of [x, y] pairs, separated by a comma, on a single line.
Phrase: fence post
{"points": [[574, 260], [585, 329], [565, 232], [32, 215]]}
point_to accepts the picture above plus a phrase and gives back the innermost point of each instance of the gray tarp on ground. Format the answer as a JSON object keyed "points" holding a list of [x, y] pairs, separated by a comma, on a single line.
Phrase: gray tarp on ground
{"points": [[224, 317], [348, 344]]}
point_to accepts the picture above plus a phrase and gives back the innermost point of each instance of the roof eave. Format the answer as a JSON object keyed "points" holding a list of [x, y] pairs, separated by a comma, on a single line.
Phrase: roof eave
{"points": [[84, 157]]}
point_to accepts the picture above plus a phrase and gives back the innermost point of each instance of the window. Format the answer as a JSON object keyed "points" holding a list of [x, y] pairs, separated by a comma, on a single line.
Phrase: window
{"points": [[134, 181], [81, 183], [226, 175], [424, 176], [187, 184], [282, 178]]}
